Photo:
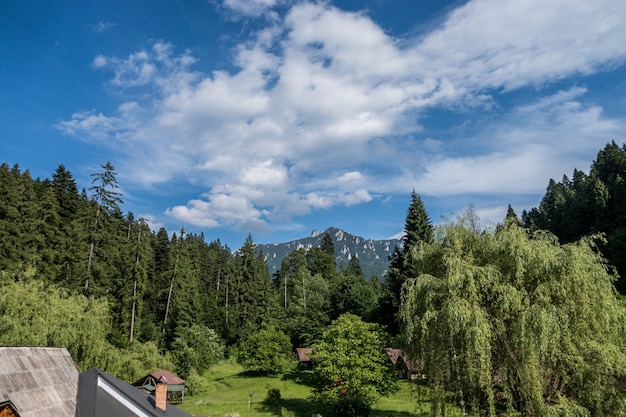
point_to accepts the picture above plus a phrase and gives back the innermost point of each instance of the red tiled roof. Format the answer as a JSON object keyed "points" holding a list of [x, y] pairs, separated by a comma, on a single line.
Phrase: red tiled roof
{"points": [[170, 378], [304, 354]]}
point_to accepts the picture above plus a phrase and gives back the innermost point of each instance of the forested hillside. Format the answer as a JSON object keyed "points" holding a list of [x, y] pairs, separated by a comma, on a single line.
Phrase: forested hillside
{"points": [[151, 287], [511, 318]]}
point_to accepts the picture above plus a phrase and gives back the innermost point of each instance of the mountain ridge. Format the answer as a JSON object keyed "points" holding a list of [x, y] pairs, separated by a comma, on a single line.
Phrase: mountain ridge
{"points": [[373, 254]]}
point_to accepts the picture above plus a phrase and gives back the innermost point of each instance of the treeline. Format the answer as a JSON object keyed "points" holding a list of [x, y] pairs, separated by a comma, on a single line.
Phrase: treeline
{"points": [[588, 204], [155, 286]]}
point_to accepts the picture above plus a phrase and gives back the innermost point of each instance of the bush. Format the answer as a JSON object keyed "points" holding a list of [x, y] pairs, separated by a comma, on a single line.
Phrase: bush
{"points": [[195, 384], [351, 407], [266, 351], [273, 398], [197, 347]]}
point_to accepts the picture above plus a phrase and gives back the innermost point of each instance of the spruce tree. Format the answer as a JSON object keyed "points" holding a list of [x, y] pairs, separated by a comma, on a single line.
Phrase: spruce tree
{"points": [[254, 299], [418, 229], [106, 200]]}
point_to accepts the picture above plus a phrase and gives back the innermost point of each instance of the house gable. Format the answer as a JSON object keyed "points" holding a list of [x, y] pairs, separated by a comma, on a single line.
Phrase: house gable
{"points": [[103, 395]]}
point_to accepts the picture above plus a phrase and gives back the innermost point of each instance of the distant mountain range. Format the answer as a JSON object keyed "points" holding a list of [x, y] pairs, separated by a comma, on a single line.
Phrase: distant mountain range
{"points": [[373, 254]]}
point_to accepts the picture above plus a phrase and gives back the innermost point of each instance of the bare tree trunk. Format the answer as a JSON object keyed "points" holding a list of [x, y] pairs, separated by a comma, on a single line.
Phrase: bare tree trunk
{"points": [[226, 303], [167, 309], [285, 291], [169, 296], [91, 250], [304, 291], [132, 313]]}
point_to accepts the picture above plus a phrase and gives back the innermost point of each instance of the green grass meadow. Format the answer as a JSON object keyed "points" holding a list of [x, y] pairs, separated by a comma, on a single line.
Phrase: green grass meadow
{"points": [[230, 392]]}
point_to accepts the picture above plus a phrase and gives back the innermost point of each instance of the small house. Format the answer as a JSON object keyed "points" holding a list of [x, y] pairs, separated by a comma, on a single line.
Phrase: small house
{"points": [[304, 357], [401, 362], [175, 385]]}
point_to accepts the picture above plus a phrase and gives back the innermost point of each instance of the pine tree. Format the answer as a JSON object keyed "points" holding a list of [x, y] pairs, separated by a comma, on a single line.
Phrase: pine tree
{"points": [[418, 230], [254, 302], [106, 200]]}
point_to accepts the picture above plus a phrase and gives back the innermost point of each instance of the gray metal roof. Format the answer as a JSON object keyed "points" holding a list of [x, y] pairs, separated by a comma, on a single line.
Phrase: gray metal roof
{"points": [[39, 381], [103, 395]]}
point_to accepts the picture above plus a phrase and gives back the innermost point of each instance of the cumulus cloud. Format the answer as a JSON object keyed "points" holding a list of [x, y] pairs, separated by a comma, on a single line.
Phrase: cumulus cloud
{"points": [[321, 96], [532, 143]]}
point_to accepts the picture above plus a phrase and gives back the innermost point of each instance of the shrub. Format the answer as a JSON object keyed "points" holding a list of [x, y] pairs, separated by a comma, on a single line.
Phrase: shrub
{"points": [[273, 398], [266, 351], [197, 347], [195, 384]]}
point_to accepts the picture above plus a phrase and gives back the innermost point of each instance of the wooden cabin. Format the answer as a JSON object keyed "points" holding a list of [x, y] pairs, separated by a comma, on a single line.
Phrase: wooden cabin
{"points": [[175, 385]]}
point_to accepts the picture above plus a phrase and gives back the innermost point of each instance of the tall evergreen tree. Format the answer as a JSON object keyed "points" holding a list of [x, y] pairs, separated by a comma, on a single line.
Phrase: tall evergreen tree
{"points": [[418, 229], [106, 200], [305, 299], [587, 204], [352, 293], [254, 301]]}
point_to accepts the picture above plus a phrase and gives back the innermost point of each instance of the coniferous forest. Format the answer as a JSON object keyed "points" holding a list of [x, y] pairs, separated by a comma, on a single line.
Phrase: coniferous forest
{"points": [[78, 272]]}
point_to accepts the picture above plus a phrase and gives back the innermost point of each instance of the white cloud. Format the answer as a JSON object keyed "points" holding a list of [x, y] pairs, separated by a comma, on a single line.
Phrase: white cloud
{"points": [[350, 176], [103, 26], [537, 141], [99, 61], [251, 8], [510, 44], [264, 174], [322, 95]]}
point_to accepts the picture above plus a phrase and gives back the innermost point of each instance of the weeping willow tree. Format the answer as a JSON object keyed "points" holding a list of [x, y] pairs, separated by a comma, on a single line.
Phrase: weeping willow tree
{"points": [[511, 322]]}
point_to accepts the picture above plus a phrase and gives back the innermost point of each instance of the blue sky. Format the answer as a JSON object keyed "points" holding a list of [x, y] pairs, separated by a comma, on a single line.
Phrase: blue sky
{"points": [[277, 117]]}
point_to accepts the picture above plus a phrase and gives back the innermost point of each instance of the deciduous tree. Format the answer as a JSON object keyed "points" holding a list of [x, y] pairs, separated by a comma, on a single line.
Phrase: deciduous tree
{"points": [[351, 366], [513, 321]]}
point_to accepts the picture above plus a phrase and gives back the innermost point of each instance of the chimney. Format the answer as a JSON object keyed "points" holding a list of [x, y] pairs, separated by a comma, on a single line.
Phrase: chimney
{"points": [[160, 394]]}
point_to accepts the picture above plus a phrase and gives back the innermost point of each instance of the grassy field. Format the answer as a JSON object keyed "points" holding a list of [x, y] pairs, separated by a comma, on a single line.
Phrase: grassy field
{"points": [[232, 392]]}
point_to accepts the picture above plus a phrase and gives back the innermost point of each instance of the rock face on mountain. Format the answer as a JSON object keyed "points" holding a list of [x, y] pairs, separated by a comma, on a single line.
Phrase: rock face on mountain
{"points": [[373, 254]]}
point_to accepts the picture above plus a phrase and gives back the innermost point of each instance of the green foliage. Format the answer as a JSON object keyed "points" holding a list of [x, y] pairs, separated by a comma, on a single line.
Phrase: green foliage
{"points": [[417, 227], [33, 314], [196, 348], [272, 398], [254, 300], [229, 390], [350, 363], [589, 203], [306, 299], [512, 320], [266, 351], [137, 360], [196, 384], [354, 294], [418, 230], [286, 413], [351, 407]]}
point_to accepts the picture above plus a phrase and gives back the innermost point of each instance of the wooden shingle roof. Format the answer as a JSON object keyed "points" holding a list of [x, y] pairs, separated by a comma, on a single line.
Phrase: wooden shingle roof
{"points": [[38, 381], [304, 354]]}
